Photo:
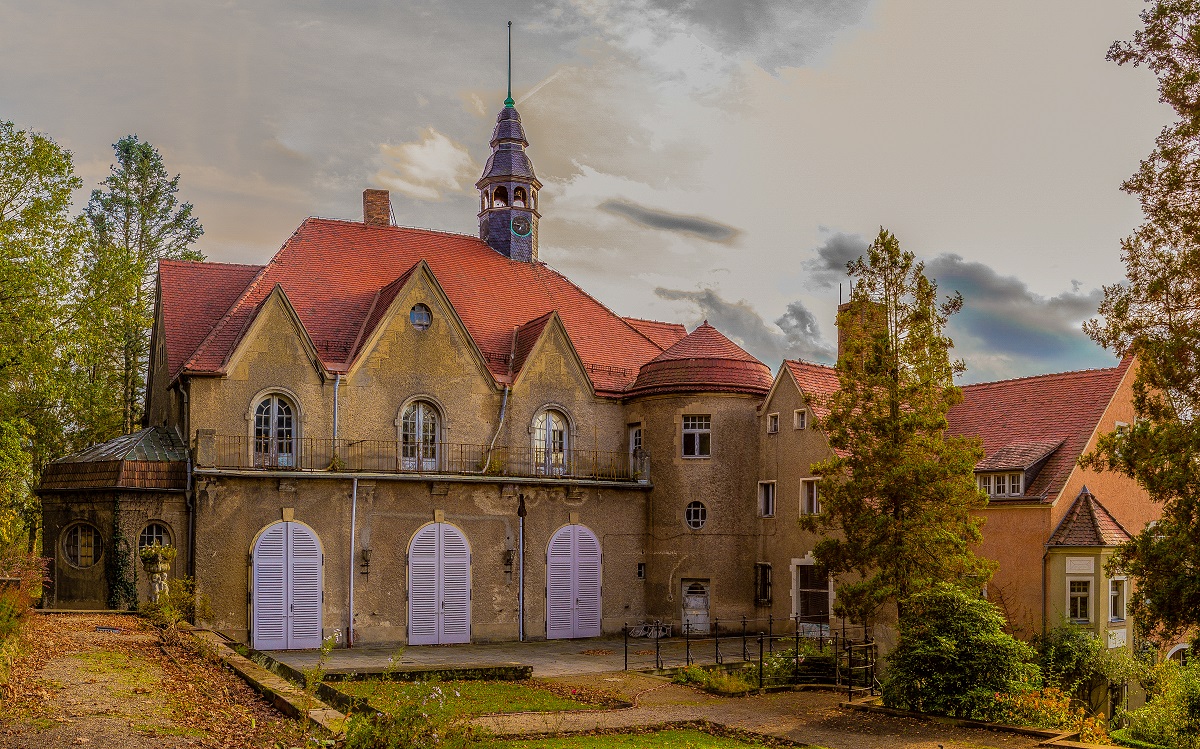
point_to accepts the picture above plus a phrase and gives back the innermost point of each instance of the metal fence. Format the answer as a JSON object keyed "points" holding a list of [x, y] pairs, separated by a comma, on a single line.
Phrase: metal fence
{"points": [[387, 456], [769, 652]]}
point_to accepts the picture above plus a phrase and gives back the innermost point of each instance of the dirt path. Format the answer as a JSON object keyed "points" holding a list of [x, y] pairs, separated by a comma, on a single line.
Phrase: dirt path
{"points": [[77, 682], [811, 717]]}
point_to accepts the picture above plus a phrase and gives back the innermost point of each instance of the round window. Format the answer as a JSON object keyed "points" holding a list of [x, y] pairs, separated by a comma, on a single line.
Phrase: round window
{"points": [[81, 545], [154, 534], [696, 514], [420, 317]]}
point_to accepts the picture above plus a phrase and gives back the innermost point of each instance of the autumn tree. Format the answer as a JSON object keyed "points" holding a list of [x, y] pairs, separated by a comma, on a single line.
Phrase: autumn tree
{"points": [[40, 243], [1155, 316], [897, 494], [136, 220]]}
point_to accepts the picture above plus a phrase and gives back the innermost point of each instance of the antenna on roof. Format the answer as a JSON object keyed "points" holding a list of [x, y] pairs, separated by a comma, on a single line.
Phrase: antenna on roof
{"points": [[509, 101]]}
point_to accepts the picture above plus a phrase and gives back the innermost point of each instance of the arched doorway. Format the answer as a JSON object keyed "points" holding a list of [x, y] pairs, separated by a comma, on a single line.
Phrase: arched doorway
{"points": [[439, 586], [573, 584], [695, 606], [286, 588]]}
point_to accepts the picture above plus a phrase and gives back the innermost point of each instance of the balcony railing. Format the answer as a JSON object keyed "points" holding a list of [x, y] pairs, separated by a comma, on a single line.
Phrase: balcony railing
{"points": [[384, 456]]}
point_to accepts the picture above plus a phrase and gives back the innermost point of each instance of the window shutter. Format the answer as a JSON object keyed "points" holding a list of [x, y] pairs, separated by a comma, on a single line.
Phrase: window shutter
{"points": [[456, 586], [559, 594], [268, 617], [587, 565], [423, 587], [304, 557]]}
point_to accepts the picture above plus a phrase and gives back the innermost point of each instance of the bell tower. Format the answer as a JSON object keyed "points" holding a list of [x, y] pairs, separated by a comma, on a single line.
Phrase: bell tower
{"points": [[508, 189]]}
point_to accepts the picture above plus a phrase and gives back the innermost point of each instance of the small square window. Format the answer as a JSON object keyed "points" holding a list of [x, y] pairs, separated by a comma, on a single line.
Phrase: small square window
{"points": [[800, 419], [810, 498], [641, 570], [697, 436], [766, 499]]}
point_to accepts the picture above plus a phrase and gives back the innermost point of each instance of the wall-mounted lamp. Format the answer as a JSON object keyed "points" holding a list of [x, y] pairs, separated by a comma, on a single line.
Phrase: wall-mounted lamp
{"points": [[366, 561]]}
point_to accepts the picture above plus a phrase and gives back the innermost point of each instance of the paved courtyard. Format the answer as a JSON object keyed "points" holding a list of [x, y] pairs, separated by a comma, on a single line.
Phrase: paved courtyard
{"points": [[548, 657]]}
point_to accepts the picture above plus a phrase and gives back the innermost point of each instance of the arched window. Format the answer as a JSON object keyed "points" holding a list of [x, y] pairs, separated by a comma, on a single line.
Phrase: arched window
{"points": [[274, 433], [500, 197], [519, 197], [550, 443], [419, 437], [154, 534], [82, 545], [533, 199]]}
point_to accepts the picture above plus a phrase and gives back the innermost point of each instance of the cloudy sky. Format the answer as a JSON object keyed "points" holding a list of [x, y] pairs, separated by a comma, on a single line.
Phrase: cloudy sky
{"points": [[701, 159]]}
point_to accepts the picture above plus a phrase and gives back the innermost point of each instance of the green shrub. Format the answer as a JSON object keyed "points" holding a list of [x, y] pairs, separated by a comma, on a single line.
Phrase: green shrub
{"points": [[1172, 716], [419, 724], [1068, 657], [954, 657], [1048, 708]]}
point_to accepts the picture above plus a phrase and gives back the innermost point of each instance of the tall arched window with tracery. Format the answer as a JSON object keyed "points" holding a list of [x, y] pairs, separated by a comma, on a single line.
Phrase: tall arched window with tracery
{"points": [[550, 443], [274, 433], [419, 437]]}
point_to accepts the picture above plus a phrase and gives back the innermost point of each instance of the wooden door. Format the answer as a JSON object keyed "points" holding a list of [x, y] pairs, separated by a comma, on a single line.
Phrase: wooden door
{"points": [[573, 584], [286, 593], [439, 586]]}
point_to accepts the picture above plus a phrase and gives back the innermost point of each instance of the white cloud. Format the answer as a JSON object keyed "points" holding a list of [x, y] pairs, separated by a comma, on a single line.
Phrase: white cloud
{"points": [[428, 168]]}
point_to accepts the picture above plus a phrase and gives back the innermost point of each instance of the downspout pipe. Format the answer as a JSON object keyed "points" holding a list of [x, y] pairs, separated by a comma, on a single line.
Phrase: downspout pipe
{"points": [[189, 495], [521, 512], [337, 381], [353, 537]]}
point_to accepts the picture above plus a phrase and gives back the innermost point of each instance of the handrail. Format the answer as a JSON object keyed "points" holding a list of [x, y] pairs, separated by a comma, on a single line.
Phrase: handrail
{"points": [[239, 452]]}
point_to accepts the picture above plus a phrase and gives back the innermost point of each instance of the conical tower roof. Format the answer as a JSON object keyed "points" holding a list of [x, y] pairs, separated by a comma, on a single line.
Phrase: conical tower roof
{"points": [[1088, 523], [508, 159], [703, 361]]}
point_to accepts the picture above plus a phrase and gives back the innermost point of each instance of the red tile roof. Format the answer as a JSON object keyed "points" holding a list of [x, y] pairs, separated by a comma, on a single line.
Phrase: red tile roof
{"points": [[333, 273], [1020, 421], [1088, 523], [704, 361], [665, 334], [526, 337], [189, 316], [1019, 455], [1062, 407], [817, 381]]}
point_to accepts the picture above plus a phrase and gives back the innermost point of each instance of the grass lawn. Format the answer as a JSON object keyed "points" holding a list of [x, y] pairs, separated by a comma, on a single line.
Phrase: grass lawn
{"points": [[683, 739], [459, 698]]}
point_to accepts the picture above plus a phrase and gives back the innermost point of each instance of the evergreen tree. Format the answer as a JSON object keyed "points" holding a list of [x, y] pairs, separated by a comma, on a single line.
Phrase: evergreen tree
{"points": [[896, 497], [1155, 316], [136, 220]]}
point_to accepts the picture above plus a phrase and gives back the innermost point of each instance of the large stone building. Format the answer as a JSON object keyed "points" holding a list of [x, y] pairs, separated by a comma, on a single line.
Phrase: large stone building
{"points": [[399, 435]]}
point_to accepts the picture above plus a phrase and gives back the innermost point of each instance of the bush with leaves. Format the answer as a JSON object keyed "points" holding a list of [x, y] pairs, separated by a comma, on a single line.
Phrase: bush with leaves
{"points": [[1068, 657], [954, 656], [1172, 715], [421, 723], [181, 603], [1048, 708]]}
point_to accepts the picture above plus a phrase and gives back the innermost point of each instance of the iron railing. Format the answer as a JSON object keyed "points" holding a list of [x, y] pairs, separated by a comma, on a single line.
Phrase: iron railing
{"points": [[768, 652], [386, 456]]}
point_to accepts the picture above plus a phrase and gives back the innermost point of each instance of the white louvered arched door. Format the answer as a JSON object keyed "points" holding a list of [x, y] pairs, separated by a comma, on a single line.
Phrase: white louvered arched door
{"points": [[439, 586], [286, 593], [573, 584]]}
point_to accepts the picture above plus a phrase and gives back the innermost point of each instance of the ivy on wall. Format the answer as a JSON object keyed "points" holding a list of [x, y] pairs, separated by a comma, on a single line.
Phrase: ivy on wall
{"points": [[119, 569]]}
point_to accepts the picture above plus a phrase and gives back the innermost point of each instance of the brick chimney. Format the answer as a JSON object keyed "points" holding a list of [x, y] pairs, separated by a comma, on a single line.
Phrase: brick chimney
{"points": [[377, 208]]}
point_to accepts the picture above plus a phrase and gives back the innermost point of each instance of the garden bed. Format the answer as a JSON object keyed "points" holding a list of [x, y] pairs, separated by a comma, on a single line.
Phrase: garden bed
{"points": [[697, 734], [455, 699]]}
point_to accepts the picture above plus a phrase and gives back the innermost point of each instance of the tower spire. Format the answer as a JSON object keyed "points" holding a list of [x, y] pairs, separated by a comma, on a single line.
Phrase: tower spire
{"points": [[509, 101]]}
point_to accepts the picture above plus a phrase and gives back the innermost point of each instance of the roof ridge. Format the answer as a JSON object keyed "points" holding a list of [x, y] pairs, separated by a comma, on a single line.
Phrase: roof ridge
{"points": [[221, 324], [660, 322], [176, 261], [393, 227], [1094, 370]]}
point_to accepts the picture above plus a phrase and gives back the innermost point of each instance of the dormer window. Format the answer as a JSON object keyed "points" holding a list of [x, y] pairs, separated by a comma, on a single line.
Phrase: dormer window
{"points": [[1002, 484]]}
